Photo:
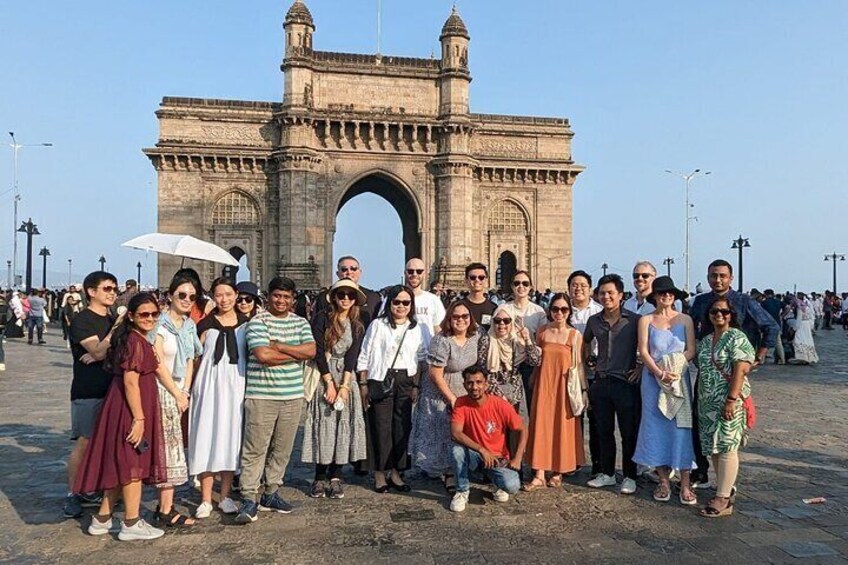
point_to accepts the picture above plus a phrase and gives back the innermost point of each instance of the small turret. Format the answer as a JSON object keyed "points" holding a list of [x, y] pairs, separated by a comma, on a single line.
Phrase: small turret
{"points": [[299, 28], [455, 76]]}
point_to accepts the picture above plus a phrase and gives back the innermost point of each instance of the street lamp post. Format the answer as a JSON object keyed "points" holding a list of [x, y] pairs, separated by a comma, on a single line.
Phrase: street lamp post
{"points": [[16, 195], [44, 253], [30, 229], [138, 268], [9, 273], [102, 263], [668, 262], [740, 243], [605, 267], [688, 217], [834, 257], [70, 264]]}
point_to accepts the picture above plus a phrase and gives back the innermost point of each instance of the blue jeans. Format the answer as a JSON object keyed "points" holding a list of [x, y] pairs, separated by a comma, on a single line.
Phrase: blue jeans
{"points": [[35, 323], [467, 460]]}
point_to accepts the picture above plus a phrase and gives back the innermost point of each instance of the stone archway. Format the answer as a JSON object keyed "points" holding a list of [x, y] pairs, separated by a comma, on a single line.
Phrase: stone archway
{"points": [[507, 266], [399, 197]]}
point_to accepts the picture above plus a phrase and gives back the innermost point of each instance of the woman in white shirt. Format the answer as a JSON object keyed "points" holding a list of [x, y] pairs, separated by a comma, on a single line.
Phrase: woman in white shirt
{"points": [[525, 314], [393, 347]]}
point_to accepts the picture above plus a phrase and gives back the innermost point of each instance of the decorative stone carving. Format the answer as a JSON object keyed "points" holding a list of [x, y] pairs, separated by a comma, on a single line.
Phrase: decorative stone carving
{"points": [[504, 146]]}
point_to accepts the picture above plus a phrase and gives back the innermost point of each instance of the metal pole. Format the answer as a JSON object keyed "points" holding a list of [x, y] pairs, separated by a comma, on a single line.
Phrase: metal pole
{"points": [[102, 261], [44, 254], [834, 273], [15, 197], [138, 266], [741, 272], [29, 233], [9, 272], [605, 267], [70, 262], [686, 252]]}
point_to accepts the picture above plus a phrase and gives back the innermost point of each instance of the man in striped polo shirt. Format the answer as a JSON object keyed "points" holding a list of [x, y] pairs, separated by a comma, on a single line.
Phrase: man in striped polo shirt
{"points": [[279, 342]]}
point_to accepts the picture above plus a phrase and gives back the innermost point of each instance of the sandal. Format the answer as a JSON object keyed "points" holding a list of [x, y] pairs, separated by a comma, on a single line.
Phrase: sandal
{"points": [[173, 519], [692, 501], [662, 493], [713, 512], [533, 485], [555, 481]]}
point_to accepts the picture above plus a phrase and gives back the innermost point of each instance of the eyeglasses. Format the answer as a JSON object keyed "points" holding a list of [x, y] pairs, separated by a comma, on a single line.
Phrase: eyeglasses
{"points": [[415, 271], [345, 295], [352, 269], [723, 311], [186, 296], [560, 310], [109, 289], [477, 277], [401, 302], [575, 286], [461, 317], [146, 315], [644, 276], [520, 283], [502, 321], [246, 299]]}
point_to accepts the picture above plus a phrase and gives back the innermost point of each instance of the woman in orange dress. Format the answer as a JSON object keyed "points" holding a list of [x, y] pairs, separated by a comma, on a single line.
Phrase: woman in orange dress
{"points": [[555, 444]]}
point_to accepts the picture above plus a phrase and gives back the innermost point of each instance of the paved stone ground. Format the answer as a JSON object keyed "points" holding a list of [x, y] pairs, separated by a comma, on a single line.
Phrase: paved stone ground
{"points": [[798, 451]]}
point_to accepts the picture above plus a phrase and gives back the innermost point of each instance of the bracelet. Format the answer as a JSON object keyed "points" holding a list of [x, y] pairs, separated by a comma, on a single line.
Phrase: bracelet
{"points": [[363, 383], [137, 420], [731, 399]]}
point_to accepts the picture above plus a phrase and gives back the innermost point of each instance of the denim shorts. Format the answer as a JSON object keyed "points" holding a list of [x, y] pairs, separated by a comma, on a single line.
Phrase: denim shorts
{"points": [[84, 413]]}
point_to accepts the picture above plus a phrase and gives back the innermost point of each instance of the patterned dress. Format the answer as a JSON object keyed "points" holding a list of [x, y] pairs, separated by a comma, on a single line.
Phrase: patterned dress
{"points": [[331, 436], [719, 435], [507, 382], [430, 441]]}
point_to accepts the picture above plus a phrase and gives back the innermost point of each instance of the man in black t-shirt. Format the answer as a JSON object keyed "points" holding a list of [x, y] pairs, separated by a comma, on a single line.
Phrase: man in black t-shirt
{"points": [[480, 307], [89, 335]]}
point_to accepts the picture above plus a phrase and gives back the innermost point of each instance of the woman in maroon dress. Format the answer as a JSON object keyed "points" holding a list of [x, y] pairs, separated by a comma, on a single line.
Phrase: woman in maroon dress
{"points": [[127, 447]]}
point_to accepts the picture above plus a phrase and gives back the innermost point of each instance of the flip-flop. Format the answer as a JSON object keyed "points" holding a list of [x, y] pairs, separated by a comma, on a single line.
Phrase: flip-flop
{"points": [[690, 502], [533, 485], [555, 481], [662, 493]]}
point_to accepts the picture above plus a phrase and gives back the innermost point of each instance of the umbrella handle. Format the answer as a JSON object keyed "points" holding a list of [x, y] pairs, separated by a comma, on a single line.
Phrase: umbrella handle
{"points": [[182, 263]]}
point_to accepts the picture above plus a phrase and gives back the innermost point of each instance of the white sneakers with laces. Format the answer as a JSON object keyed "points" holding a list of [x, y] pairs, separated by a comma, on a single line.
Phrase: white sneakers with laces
{"points": [[628, 486], [204, 510], [459, 501], [141, 530], [501, 495], [601, 480], [228, 506]]}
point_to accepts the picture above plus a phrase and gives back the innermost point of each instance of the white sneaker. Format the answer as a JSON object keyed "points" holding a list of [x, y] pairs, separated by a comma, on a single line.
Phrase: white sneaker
{"points": [[601, 480], [459, 501], [204, 510], [141, 530], [228, 506], [501, 495], [628, 486], [2, 366], [98, 528]]}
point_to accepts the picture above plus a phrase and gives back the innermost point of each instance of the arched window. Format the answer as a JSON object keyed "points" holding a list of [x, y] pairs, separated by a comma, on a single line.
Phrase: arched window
{"points": [[506, 215], [235, 209]]}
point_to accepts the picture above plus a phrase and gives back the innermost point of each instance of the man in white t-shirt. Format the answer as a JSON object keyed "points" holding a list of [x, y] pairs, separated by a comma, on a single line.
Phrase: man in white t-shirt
{"points": [[429, 309], [644, 274]]}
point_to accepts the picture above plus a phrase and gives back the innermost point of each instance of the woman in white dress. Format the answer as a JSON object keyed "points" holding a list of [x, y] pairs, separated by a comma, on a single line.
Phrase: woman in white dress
{"points": [[176, 345], [805, 318], [217, 404]]}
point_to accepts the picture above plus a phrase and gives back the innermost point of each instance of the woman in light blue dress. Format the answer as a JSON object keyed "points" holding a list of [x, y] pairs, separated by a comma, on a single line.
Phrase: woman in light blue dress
{"points": [[667, 345]]}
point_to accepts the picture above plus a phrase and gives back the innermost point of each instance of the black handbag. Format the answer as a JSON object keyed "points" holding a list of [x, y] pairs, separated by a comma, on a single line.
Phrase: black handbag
{"points": [[378, 391]]}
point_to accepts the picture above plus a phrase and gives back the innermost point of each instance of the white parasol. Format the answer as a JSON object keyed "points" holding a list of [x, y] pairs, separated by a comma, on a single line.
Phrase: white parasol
{"points": [[184, 246]]}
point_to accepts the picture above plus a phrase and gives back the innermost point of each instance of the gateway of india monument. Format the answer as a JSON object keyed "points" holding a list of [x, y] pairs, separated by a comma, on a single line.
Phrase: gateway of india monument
{"points": [[266, 180]]}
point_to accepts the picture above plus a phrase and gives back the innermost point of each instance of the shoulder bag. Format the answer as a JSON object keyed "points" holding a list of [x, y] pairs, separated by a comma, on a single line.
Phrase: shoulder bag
{"points": [[574, 386], [747, 402]]}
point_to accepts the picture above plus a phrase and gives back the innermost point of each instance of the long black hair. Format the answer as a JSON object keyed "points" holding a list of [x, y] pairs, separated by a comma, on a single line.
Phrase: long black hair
{"points": [[118, 343], [387, 309]]}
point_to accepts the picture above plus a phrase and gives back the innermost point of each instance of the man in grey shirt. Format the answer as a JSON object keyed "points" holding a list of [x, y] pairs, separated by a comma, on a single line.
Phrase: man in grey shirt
{"points": [[35, 319]]}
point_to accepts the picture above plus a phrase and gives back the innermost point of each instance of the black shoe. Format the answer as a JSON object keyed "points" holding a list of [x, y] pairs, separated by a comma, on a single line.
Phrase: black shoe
{"points": [[42, 342], [91, 499], [73, 506], [383, 489], [318, 490], [400, 488], [336, 490]]}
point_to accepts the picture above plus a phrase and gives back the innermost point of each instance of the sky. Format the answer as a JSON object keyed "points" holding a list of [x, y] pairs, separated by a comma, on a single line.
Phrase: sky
{"points": [[753, 91]]}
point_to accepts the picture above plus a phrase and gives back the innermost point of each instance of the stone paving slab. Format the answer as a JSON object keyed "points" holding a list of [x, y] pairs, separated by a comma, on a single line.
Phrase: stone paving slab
{"points": [[798, 451]]}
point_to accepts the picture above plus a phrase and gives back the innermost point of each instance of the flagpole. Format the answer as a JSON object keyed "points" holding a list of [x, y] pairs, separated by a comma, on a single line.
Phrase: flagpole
{"points": [[379, 24]]}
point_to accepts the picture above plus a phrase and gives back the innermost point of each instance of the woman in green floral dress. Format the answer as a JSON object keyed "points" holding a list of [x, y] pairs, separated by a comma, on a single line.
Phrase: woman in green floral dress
{"points": [[724, 360]]}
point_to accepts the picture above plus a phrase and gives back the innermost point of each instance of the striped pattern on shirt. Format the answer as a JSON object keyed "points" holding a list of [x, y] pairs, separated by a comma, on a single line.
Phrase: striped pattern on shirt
{"points": [[283, 382]]}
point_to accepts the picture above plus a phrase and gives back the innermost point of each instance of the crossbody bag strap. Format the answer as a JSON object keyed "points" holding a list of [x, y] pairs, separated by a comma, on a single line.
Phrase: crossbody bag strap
{"points": [[402, 337], [574, 364]]}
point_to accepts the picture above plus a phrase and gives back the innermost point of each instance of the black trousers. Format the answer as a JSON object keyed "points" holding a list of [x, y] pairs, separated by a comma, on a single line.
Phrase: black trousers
{"points": [[614, 399], [526, 371], [390, 423], [594, 444], [325, 472]]}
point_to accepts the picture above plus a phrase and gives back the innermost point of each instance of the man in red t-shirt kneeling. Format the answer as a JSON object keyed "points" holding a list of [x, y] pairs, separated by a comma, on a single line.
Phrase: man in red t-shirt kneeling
{"points": [[478, 429]]}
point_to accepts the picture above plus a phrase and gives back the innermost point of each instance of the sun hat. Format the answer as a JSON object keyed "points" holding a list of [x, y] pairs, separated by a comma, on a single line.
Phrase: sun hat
{"points": [[347, 283], [665, 284]]}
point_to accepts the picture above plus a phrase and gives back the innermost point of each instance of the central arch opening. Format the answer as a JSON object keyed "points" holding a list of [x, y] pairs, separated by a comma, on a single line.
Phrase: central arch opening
{"points": [[368, 228]]}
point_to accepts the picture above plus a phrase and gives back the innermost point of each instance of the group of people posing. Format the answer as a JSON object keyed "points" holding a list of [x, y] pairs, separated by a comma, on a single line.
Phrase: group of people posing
{"points": [[214, 387]]}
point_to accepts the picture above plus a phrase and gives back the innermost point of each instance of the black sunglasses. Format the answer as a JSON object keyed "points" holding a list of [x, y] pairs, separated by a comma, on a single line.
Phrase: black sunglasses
{"points": [[722, 311], [560, 309], [352, 269], [415, 271], [477, 277], [186, 296], [646, 276], [401, 302], [146, 315], [245, 299], [502, 321], [520, 283], [345, 294]]}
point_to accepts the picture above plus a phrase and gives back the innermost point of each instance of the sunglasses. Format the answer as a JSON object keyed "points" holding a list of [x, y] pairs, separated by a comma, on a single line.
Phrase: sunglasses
{"points": [[560, 309], [186, 296], [415, 271], [502, 321], [352, 269], [346, 295], [477, 277], [461, 317], [244, 300], [644, 276], [146, 315], [520, 283], [723, 311], [109, 289], [401, 302]]}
